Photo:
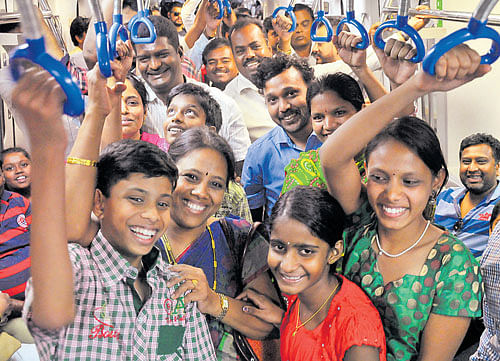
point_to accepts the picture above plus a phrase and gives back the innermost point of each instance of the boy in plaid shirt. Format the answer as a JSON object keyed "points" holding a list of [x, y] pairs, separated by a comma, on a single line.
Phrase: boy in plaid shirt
{"points": [[109, 301]]}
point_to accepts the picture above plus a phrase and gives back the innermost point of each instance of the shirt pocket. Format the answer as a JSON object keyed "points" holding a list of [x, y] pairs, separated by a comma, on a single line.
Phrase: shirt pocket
{"points": [[170, 339]]}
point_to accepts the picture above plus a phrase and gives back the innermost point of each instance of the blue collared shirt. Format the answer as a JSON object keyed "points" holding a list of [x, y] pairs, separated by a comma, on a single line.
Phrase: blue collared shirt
{"points": [[264, 168], [489, 346], [475, 226]]}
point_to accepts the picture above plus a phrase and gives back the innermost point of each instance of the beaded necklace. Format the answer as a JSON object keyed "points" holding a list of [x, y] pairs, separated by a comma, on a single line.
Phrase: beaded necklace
{"points": [[171, 257]]}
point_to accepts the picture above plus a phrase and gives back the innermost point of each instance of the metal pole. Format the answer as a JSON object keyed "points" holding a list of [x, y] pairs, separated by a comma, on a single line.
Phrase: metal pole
{"points": [[459, 16]]}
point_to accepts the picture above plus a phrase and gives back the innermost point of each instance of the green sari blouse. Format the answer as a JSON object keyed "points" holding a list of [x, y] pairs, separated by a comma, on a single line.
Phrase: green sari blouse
{"points": [[449, 283]]}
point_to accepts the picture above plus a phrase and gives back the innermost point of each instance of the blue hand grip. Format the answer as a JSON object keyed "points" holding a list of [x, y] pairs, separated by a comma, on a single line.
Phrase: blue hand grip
{"points": [[102, 47], [475, 30], [133, 26], [351, 20], [223, 5], [401, 23], [34, 50], [314, 28], [289, 11], [116, 29]]}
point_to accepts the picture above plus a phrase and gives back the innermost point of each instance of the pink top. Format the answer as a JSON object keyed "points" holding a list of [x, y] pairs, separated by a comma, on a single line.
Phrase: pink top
{"points": [[156, 140]]}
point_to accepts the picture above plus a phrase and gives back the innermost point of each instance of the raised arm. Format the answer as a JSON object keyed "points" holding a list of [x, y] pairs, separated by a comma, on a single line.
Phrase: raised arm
{"points": [[356, 59], [39, 98], [459, 66]]}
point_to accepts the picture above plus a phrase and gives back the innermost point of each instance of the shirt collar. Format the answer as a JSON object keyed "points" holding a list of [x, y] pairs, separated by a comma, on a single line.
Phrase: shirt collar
{"points": [[113, 267], [243, 83], [283, 138]]}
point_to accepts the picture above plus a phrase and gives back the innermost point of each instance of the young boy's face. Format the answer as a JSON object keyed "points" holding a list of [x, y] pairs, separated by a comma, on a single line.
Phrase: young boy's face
{"points": [[135, 214]]}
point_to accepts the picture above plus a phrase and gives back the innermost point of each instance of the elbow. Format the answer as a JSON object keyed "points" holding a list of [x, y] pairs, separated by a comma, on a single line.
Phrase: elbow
{"points": [[53, 320]]}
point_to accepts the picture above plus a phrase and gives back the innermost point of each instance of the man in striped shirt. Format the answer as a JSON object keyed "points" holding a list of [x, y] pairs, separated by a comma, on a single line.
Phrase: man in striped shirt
{"points": [[466, 210]]}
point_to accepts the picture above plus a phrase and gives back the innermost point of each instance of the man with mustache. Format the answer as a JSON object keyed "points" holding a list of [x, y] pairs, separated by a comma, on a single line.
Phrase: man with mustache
{"points": [[284, 81], [466, 211]]}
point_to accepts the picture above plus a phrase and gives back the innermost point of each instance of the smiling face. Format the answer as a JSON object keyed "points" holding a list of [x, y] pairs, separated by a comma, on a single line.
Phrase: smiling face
{"points": [[135, 214], [221, 68], [399, 186], [175, 16], [328, 112], [478, 169], [200, 187], [17, 170], [159, 64], [299, 260], [183, 113], [132, 113], [249, 48], [285, 96]]}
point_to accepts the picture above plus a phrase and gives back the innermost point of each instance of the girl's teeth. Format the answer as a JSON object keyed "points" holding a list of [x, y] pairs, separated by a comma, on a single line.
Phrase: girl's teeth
{"points": [[195, 207], [143, 233]]}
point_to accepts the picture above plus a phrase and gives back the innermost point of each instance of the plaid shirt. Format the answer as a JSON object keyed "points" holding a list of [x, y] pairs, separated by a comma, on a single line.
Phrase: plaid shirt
{"points": [[189, 69], [489, 346], [107, 325]]}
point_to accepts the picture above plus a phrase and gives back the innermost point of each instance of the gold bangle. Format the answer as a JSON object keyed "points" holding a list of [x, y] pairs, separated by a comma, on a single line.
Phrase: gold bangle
{"points": [[80, 161], [224, 305]]}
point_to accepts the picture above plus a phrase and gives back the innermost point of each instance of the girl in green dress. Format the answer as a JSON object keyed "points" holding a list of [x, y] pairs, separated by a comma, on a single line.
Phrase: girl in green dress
{"points": [[425, 283]]}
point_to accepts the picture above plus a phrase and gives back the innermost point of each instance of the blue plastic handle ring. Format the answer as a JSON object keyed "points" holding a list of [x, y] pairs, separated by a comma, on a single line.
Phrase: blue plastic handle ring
{"points": [[102, 47], [475, 30], [34, 50], [289, 11], [314, 28], [224, 5], [134, 26], [350, 19], [116, 29], [401, 23]]}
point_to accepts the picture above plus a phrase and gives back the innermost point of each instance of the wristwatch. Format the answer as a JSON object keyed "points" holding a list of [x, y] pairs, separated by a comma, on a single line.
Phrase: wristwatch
{"points": [[224, 305]]}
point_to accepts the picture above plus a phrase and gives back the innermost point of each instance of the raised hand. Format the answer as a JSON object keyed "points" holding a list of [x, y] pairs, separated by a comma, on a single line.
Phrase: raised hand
{"points": [[395, 60], [352, 56]]}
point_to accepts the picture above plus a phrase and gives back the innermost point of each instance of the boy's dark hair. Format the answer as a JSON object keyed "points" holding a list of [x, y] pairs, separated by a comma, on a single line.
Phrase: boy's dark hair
{"points": [[199, 138], [494, 215], [242, 12], [213, 44], [130, 4], [140, 87], [124, 157], [299, 7], [164, 28], [13, 150], [213, 114], [482, 138], [268, 24], [315, 208], [244, 21], [271, 67], [78, 27], [419, 137], [344, 85]]}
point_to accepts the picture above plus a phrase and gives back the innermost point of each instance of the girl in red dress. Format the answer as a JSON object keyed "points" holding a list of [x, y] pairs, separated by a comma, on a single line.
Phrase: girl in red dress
{"points": [[328, 316]]}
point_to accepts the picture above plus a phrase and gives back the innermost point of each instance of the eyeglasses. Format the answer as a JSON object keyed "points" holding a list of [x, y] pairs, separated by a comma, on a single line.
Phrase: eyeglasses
{"points": [[176, 14], [458, 225]]}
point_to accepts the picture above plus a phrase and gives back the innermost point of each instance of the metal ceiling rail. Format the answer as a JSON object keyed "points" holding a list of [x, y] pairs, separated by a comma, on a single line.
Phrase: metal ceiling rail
{"points": [[459, 16]]}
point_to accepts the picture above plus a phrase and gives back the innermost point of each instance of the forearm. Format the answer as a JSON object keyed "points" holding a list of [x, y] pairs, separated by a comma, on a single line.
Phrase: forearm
{"points": [[112, 130], [347, 141], [51, 270], [81, 180], [374, 88], [195, 31]]}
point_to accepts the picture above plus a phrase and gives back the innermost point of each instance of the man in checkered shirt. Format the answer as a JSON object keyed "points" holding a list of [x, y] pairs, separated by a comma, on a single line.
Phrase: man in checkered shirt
{"points": [[109, 301]]}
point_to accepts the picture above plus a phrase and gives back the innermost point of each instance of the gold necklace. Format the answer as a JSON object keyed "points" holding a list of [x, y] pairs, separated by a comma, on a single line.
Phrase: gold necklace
{"points": [[171, 257], [297, 326]]}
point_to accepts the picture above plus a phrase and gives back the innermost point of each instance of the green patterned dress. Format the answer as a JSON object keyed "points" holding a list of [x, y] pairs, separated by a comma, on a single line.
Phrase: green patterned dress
{"points": [[449, 284]]}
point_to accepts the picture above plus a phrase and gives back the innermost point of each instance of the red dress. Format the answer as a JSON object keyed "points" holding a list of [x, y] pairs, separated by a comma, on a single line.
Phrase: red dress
{"points": [[352, 320]]}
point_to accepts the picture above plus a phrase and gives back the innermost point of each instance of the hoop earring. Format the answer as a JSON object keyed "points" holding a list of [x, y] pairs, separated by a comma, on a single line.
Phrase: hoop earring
{"points": [[430, 208]]}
